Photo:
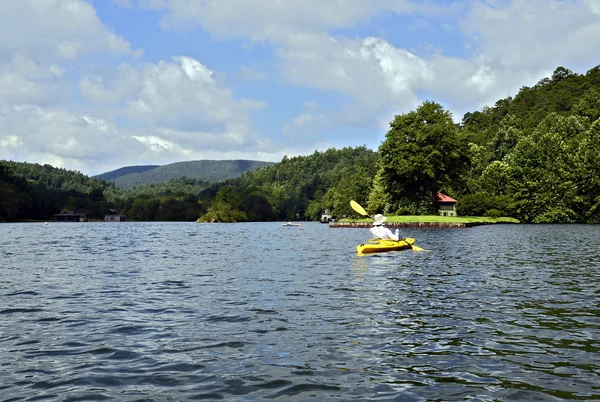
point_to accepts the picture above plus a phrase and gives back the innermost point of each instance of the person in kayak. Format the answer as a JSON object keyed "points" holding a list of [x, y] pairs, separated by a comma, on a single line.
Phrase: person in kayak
{"points": [[381, 232]]}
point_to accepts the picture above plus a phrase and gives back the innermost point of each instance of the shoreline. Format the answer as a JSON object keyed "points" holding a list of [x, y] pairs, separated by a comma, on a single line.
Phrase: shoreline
{"points": [[411, 225]]}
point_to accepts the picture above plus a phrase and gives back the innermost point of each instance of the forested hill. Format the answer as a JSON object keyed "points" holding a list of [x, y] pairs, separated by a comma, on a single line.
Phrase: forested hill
{"points": [[114, 174], [301, 187], [565, 93], [205, 170], [533, 157]]}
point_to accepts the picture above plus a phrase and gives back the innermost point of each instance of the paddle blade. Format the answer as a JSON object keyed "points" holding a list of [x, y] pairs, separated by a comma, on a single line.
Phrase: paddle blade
{"points": [[356, 206], [415, 248]]}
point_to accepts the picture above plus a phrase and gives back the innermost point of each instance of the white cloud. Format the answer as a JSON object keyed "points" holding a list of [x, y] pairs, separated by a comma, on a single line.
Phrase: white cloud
{"points": [[370, 70], [94, 145], [261, 20], [132, 113], [39, 44], [184, 95], [111, 86], [509, 43], [179, 109], [24, 81], [169, 111], [526, 34], [43, 135], [56, 29]]}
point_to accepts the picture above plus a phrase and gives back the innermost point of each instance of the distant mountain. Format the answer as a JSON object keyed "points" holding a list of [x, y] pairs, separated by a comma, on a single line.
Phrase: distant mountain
{"points": [[115, 174], [208, 170]]}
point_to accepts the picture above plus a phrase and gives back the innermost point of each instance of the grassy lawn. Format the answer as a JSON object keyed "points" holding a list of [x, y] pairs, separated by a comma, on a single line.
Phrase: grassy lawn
{"points": [[438, 219]]}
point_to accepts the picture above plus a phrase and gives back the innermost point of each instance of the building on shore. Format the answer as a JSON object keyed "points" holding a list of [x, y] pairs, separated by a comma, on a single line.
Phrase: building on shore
{"points": [[447, 205], [70, 216], [113, 215], [326, 217]]}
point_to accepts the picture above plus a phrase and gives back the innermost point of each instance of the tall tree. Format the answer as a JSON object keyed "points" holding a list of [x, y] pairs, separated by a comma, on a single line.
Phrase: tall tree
{"points": [[588, 178], [422, 152], [543, 168]]}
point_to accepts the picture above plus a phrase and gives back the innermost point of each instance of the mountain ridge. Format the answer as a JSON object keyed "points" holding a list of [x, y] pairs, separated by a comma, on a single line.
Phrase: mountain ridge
{"points": [[125, 170], [208, 170]]}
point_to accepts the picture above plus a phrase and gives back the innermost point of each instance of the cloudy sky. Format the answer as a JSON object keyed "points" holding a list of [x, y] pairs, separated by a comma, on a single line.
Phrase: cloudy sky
{"points": [[95, 85]]}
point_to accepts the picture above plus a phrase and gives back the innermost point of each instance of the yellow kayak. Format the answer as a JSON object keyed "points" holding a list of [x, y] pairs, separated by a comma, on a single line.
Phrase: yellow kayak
{"points": [[380, 245]]}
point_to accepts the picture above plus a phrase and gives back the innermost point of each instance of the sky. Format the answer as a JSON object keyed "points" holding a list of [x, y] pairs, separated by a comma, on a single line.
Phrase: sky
{"points": [[95, 85]]}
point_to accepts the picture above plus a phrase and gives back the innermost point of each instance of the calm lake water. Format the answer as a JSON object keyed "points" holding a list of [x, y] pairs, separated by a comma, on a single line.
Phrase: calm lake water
{"points": [[258, 311]]}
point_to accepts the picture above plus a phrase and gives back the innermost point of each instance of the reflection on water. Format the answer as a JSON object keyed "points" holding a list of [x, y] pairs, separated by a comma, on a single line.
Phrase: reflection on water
{"points": [[181, 311]]}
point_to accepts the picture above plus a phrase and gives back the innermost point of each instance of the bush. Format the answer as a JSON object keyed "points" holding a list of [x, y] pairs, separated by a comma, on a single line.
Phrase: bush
{"points": [[482, 204], [473, 205], [494, 213]]}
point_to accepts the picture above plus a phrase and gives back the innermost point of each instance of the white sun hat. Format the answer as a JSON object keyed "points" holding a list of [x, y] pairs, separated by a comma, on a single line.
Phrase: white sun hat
{"points": [[378, 220]]}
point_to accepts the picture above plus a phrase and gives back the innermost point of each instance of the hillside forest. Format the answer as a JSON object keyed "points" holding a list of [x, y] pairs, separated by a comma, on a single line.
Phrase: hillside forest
{"points": [[533, 157]]}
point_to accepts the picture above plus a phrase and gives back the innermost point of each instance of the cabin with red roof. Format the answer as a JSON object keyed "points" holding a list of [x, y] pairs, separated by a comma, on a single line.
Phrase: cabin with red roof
{"points": [[447, 205]]}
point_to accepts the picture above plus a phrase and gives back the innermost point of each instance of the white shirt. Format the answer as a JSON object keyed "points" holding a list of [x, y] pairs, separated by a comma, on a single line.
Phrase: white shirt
{"points": [[381, 232]]}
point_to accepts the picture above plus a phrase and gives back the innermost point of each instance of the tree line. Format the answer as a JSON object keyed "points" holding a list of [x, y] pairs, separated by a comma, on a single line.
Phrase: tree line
{"points": [[532, 157]]}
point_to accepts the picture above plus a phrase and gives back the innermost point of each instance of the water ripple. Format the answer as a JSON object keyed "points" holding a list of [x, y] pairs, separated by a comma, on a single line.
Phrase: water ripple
{"points": [[166, 311]]}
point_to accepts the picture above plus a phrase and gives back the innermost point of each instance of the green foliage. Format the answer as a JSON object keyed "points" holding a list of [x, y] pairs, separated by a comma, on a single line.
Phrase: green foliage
{"points": [[507, 136], [559, 93], [379, 199], [221, 211], [495, 178], [422, 152], [32, 191], [542, 170], [482, 204], [539, 149], [303, 187], [588, 105], [494, 213], [226, 207], [588, 174]]}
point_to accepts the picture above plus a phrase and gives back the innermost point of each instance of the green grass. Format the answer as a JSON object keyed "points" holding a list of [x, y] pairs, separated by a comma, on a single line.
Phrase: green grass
{"points": [[438, 219]]}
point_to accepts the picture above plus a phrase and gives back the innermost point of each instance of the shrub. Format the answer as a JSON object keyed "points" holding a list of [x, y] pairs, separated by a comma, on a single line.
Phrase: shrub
{"points": [[482, 204], [404, 211], [494, 213]]}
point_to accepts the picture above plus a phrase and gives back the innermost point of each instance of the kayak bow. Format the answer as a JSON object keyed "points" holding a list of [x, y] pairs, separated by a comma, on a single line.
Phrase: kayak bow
{"points": [[380, 245]]}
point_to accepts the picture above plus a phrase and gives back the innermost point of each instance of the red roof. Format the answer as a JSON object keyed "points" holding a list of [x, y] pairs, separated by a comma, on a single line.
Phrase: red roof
{"points": [[444, 198]]}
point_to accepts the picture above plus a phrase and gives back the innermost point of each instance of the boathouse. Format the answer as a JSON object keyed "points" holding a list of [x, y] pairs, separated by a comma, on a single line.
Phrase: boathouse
{"points": [[447, 205], [70, 216], [113, 215]]}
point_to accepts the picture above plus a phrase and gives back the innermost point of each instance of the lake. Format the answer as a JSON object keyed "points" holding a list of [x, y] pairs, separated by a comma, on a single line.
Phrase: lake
{"points": [[257, 311]]}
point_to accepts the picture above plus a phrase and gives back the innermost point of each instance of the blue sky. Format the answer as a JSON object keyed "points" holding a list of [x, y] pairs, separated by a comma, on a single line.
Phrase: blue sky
{"points": [[95, 85]]}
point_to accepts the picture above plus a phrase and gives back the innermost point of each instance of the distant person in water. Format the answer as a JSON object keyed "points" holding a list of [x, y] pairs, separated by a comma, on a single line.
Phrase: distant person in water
{"points": [[380, 232]]}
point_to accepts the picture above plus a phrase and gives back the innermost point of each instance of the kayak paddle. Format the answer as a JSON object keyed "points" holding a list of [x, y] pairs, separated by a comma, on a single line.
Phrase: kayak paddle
{"points": [[356, 206]]}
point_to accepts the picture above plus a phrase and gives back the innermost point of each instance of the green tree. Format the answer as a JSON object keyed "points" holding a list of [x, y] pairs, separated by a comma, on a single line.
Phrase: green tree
{"points": [[588, 177], [480, 157], [421, 153], [588, 105], [226, 207], [221, 211], [542, 170], [379, 200], [507, 136], [495, 178]]}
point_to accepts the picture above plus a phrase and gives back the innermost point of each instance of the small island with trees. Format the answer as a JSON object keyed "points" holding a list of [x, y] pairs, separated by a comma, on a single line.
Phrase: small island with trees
{"points": [[532, 159]]}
